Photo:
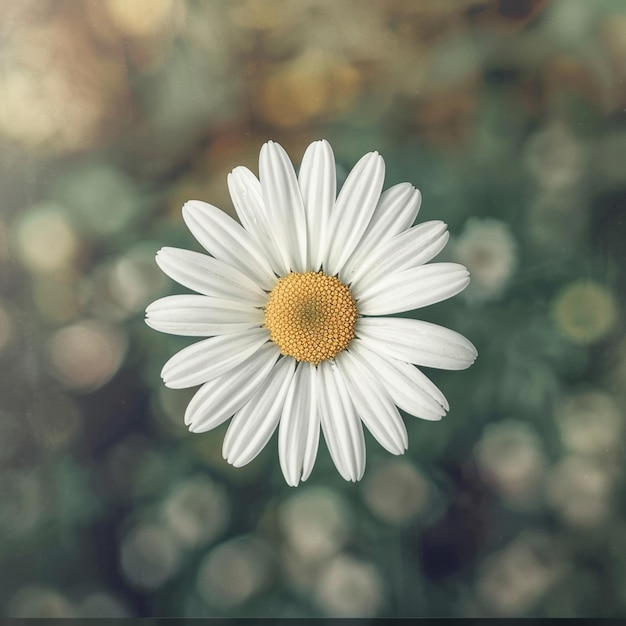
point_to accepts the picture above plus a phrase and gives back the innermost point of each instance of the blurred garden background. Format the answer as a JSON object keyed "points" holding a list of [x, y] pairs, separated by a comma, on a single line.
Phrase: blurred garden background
{"points": [[508, 115]]}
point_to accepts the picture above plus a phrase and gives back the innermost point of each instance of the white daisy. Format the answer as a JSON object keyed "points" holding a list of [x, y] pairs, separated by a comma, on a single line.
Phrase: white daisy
{"points": [[293, 302]]}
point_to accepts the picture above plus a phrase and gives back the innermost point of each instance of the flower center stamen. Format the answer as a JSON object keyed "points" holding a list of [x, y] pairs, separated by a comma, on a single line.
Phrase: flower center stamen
{"points": [[310, 316]]}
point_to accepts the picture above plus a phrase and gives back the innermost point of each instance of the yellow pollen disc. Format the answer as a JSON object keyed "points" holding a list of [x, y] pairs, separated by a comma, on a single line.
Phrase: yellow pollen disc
{"points": [[310, 316]]}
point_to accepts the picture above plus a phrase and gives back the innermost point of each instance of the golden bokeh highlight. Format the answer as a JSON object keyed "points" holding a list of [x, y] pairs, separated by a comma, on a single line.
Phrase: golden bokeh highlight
{"points": [[85, 355], [141, 18], [311, 316], [59, 91], [585, 311], [308, 87], [45, 240]]}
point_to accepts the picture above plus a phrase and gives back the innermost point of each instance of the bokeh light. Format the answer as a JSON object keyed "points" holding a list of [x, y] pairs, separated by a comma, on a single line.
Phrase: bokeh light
{"points": [[315, 521], [517, 577], [511, 460], [348, 587], [554, 157], [309, 87], [54, 72], [85, 355], [149, 555], [590, 422], [131, 282], [580, 491], [45, 239], [142, 18], [585, 311], [489, 251], [197, 511], [234, 571], [396, 492]]}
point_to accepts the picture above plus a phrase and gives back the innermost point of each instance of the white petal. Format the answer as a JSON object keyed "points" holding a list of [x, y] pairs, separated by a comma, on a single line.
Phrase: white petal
{"points": [[318, 183], [415, 341], [220, 398], [340, 423], [228, 241], [209, 358], [283, 201], [255, 422], [409, 388], [409, 249], [411, 289], [299, 430], [203, 316], [353, 210], [394, 213], [373, 404], [209, 276], [245, 191]]}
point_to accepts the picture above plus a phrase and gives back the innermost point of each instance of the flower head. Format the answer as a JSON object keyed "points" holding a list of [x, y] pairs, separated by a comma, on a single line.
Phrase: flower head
{"points": [[293, 301]]}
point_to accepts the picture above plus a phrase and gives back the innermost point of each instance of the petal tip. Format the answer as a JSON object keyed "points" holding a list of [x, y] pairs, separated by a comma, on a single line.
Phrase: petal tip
{"points": [[291, 481], [235, 461], [192, 209]]}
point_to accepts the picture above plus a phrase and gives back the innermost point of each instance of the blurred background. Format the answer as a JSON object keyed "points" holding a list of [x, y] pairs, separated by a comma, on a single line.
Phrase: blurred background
{"points": [[508, 115]]}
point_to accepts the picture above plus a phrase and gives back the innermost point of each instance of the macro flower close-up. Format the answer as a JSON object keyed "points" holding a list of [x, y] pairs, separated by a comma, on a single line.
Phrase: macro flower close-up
{"points": [[244, 245], [296, 302]]}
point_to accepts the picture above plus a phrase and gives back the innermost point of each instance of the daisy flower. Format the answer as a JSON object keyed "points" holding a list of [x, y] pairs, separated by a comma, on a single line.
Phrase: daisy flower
{"points": [[293, 301]]}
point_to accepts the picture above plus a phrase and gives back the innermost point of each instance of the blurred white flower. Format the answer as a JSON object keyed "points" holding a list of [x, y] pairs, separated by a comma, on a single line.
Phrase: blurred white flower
{"points": [[196, 511], [511, 460], [234, 571], [590, 423], [396, 492], [512, 581], [150, 555], [555, 158], [296, 305], [348, 587], [489, 251], [316, 523], [580, 490]]}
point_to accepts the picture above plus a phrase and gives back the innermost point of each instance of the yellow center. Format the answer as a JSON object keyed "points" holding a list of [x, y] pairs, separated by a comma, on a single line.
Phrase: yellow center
{"points": [[310, 316]]}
